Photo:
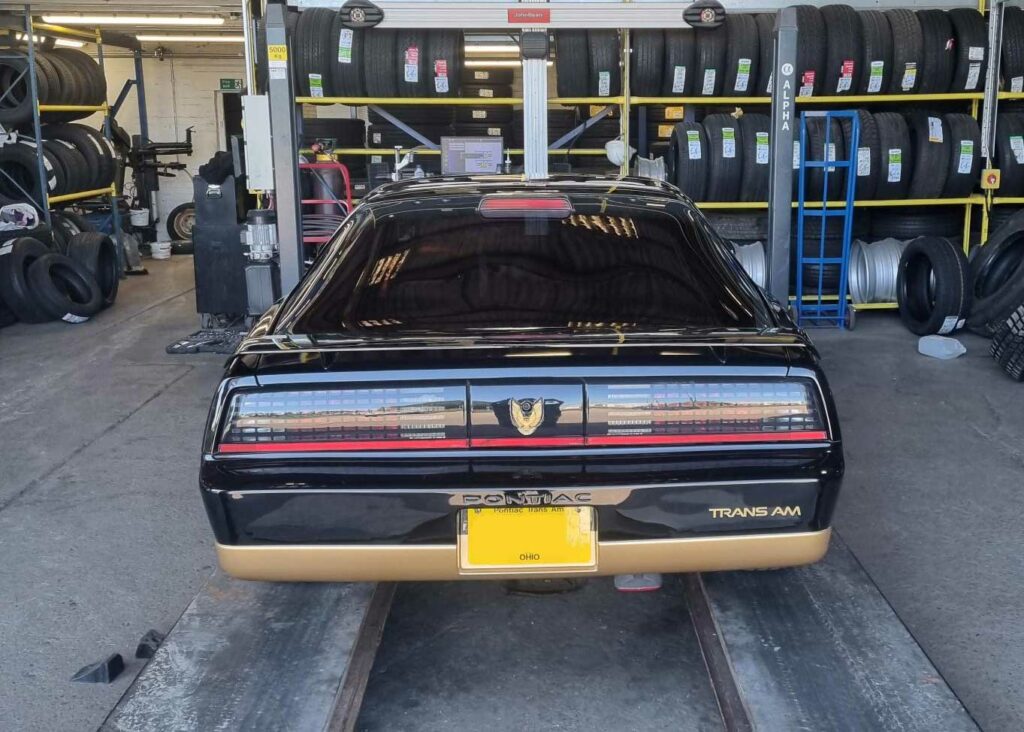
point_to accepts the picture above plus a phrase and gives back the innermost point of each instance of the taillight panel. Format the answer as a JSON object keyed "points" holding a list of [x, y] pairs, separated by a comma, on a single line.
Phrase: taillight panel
{"points": [[702, 412], [527, 414], [340, 419]]}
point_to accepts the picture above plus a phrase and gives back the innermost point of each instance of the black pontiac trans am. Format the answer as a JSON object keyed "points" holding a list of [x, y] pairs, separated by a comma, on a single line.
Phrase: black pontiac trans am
{"points": [[487, 377]]}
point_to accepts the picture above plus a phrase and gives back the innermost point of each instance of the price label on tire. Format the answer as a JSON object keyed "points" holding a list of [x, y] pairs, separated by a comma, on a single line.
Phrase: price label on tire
{"points": [[1017, 84], [1017, 145], [709, 83], [345, 38], [678, 79], [742, 75], [966, 157], [412, 64], [316, 85], [909, 76], [479, 114], [934, 129], [973, 74], [761, 149], [863, 161], [846, 76], [675, 112], [728, 142], [693, 144], [807, 84], [604, 83], [796, 154], [895, 165], [875, 76]]}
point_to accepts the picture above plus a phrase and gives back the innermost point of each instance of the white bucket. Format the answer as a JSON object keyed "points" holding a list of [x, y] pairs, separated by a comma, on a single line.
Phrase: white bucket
{"points": [[160, 249], [140, 217]]}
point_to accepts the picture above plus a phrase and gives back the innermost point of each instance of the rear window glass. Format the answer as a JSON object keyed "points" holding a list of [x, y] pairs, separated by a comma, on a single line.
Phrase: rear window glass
{"points": [[447, 270]]}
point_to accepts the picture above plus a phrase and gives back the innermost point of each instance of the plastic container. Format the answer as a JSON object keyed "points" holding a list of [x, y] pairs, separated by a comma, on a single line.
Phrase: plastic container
{"points": [[940, 347], [140, 216], [160, 249]]}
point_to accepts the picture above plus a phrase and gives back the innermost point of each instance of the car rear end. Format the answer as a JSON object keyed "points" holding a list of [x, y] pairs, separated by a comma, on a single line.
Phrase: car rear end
{"points": [[442, 399]]}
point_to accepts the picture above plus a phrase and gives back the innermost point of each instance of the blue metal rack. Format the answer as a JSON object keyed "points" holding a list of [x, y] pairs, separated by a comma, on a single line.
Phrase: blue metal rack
{"points": [[818, 308]]}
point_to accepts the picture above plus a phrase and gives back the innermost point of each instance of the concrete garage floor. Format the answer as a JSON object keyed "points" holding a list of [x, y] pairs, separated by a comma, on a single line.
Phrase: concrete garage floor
{"points": [[102, 535]]}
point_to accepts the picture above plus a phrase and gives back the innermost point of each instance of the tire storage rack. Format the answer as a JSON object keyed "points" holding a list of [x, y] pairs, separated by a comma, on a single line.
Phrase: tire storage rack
{"points": [[918, 79], [79, 274]]}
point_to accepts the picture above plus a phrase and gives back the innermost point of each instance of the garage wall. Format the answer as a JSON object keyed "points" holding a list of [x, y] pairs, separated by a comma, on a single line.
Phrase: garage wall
{"points": [[181, 91]]}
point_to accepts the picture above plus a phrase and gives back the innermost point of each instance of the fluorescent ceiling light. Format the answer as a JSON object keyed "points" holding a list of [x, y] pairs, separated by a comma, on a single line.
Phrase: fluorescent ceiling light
{"points": [[192, 39], [484, 63], [60, 41], [478, 50], [133, 19]]}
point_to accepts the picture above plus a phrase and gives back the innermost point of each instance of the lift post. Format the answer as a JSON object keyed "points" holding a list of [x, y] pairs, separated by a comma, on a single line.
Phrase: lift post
{"points": [[780, 172]]}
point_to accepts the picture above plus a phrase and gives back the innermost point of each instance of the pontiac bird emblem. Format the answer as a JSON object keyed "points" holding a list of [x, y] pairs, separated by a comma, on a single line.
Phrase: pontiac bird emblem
{"points": [[527, 414]]}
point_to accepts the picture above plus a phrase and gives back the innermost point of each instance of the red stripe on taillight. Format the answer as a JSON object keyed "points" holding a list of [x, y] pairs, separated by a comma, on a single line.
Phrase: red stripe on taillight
{"points": [[346, 446], [526, 442], [709, 439]]}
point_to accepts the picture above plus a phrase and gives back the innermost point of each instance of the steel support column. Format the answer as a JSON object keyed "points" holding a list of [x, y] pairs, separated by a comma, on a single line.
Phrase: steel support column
{"points": [[535, 115], [44, 192], [780, 191], [284, 148]]}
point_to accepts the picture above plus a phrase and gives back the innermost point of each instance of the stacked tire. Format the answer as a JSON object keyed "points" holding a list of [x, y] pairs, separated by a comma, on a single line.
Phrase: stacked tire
{"points": [[38, 284], [75, 158], [841, 51], [331, 60], [64, 76]]}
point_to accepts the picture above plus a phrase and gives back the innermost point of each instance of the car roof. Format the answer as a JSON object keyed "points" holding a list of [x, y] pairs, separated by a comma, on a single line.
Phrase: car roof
{"points": [[482, 185]]}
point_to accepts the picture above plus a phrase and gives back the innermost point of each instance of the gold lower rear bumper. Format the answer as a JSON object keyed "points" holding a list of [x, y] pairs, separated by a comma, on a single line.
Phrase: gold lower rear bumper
{"points": [[390, 563]]}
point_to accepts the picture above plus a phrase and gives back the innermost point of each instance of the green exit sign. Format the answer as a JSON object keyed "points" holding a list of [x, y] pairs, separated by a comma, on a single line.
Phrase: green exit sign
{"points": [[231, 85]]}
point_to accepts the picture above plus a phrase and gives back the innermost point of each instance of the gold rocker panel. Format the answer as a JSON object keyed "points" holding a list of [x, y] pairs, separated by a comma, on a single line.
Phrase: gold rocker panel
{"points": [[390, 563]]}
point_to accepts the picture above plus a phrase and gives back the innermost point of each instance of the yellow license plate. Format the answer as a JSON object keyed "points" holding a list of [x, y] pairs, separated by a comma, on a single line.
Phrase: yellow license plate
{"points": [[527, 538]]}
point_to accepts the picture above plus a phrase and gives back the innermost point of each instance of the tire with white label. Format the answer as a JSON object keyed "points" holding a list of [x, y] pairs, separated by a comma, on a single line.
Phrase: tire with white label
{"points": [[1012, 62], [810, 50], [487, 76], [15, 259], [687, 160], [965, 155], [1009, 153], [411, 62], [63, 289], [380, 75], [572, 63], [18, 161], [997, 277], [445, 57], [77, 177], [486, 91], [876, 56], [896, 158], [971, 35], [98, 161], [938, 52], [817, 150], [868, 157], [766, 49], [709, 61], [843, 48], [725, 158], [930, 140], [484, 114], [754, 137], [312, 67], [1008, 345], [346, 57], [932, 286], [471, 129], [605, 79], [647, 59], [678, 74], [743, 57], [387, 136], [907, 50]]}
